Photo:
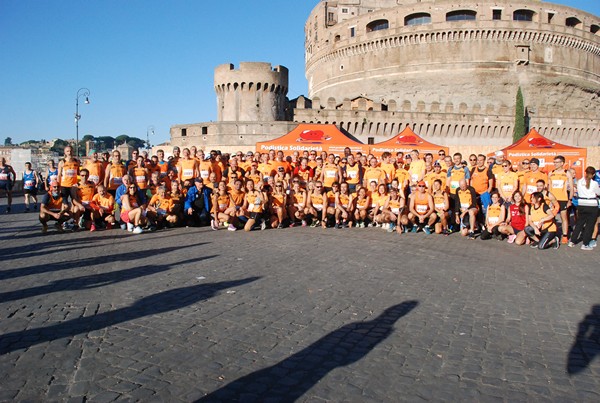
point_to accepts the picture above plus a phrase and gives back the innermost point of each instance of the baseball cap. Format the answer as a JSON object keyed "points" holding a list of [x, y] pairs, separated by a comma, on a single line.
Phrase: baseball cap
{"points": [[499, 153], [534, 161], [437, 164]]}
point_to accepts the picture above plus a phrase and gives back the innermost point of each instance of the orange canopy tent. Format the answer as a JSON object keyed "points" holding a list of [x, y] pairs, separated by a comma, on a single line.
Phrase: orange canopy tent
{"points": [[534, 145], [311, 137], [406, 141]]}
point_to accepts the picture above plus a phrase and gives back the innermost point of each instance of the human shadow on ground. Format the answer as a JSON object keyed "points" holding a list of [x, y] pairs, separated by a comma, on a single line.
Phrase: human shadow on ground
{"points": [[289, 379], [154, 304], [78, 264], [587, 342], [96, 280]]}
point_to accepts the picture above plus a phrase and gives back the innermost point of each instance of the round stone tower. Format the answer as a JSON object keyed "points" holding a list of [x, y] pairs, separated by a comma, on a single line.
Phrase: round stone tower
{"points": [[255, 92]]}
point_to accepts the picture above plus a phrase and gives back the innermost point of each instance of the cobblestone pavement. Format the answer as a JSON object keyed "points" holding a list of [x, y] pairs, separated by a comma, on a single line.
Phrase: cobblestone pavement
{"points": [[302, 314]]}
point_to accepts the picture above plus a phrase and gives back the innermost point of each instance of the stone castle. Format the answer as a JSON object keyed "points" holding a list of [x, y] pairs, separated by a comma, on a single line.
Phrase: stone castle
{"points": [[448, 69]]}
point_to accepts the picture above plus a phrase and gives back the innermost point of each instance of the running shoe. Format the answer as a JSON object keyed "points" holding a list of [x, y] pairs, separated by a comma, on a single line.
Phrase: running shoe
{"points": [[279, 226], [263, 225], [214, 225], [304, 223], [427, 230], [586, 247], [391, 227], [534, 244], [138, 230], [570, 244], [231, 227], [471, 235], [556, 244], [44, 229], [92, 228], [414, 229], [7, 210], [511, 238], [129, 227], [592, 243]]}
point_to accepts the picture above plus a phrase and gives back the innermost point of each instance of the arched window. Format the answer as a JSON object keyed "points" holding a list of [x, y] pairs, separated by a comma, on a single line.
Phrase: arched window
{"points": [[337, 38], [461, 15], [573, 22], [378, 25], [594, 29], [417, 19], [523, 15]]}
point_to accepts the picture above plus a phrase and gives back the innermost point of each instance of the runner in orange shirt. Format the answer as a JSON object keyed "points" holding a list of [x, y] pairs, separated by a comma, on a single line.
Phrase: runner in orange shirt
{"points": [[297, 202], [95, 168], [160, 209], [528, 187], [68, 169], [560, 183], [422, 210], [115, 170], [343, 207], [102, 209], [140, 174]]}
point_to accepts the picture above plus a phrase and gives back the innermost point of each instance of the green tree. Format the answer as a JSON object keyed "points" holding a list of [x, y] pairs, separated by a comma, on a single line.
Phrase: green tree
{"points": [[8, 141], [122, 139], [519, 130], [105, 143], [136, 142], [86, 138], [59, 146]]}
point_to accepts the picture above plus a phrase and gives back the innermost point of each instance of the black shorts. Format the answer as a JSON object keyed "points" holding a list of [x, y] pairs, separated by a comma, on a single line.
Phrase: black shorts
{"points": [[562, 205], [65, 193], [5, 185], [32, 191], [255, 216]]}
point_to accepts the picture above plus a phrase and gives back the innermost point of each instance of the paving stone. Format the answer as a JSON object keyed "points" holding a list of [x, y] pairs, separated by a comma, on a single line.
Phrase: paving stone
{"points": [[118, 320]]}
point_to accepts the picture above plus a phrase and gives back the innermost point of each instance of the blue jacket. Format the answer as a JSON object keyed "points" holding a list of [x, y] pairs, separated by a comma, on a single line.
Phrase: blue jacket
{"points": [[194, 193]]}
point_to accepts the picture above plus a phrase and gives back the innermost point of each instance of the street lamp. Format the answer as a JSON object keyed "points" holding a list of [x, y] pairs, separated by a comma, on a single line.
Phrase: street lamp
{"points": [[149, 130], [82, 92]]}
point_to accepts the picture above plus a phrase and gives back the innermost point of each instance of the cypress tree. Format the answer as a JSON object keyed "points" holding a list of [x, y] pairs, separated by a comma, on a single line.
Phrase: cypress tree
{"points": [[519, 128]]}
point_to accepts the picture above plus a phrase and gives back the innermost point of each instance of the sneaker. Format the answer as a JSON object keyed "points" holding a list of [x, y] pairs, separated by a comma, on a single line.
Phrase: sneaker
{"points": [[226, 224], [138, 230], [293, 224], [371, 224], [337, 225], [391, 228], [304, 223], [80, 222], [565, 240], [427, 230], [533, 244], [345, 224], [44, 229], [263, 225], [586, 247], [152, 228], [92, 228], [570, 244], [129, 227], [414, 229], [7, 210], [592, 243], [313, 224], [471, 235], [231, 227], [214, 225], [556, 244], [511, 238], [280, 226]]}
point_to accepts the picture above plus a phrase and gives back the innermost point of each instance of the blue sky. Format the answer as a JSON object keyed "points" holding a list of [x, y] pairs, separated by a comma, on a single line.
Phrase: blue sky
{"points": [[145, 62]]}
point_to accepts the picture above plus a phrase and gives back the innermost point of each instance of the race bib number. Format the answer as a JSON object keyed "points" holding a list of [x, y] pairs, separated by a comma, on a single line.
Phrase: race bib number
{"points": [[204, 174], [94, 178], [421, 208], [439, 206], [493, 220], [29, 184], [188, 173], [70, 173], [454, 184], [395, 210], [318, 206], [507, 188], [414, 177], [117, 181], [330, 174], [531, 189], [352, 174], [464, 205], [558, 184], [140, 179]]}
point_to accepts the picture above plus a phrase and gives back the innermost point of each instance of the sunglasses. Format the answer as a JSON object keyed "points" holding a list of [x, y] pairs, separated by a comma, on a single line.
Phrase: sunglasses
{"points": [[420, 186], [505, 166], [472, 159], [524, 163]]}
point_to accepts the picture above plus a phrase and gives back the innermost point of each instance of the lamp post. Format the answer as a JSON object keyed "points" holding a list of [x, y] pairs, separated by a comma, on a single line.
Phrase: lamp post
{"points": [[149, 130], [82, 92]]}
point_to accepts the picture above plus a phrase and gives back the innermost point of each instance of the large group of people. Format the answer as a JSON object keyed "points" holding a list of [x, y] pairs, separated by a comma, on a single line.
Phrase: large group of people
{"points": [[485, 197]]}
